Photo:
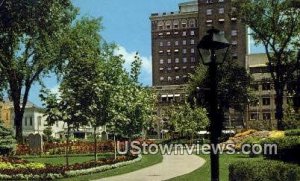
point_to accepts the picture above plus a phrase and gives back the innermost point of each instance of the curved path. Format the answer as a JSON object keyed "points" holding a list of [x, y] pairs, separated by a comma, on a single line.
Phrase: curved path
{"points": [[171, 166]]}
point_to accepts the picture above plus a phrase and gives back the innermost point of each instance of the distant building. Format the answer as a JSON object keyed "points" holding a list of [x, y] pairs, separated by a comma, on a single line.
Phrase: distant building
{"points": [[262, 113], [34, 120], [175, 36]]}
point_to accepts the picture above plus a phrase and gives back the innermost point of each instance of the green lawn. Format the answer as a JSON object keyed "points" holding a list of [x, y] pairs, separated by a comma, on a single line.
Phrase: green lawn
{"points": [[203, 173], [146, 161], [59, 159]]}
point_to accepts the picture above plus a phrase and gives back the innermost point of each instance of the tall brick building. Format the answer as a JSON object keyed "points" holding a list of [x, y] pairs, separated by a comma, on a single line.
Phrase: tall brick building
{"points": [[174, 40]]}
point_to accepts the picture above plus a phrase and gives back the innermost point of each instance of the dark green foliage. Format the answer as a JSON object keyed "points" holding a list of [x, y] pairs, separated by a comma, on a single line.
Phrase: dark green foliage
{"points": [[288, 149], [292, 132], [266, 170], [7, 142]]}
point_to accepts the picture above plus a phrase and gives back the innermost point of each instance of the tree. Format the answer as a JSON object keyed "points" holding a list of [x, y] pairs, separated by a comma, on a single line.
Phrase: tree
{"points": [[7, 142], [80, 78], [30, 42], [188, 120], [135, 104], [48, 132], [233, 90], [276, 25]]}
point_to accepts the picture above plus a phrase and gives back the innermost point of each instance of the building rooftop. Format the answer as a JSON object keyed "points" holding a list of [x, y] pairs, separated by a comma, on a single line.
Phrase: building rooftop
{"points": [[185, 7]]}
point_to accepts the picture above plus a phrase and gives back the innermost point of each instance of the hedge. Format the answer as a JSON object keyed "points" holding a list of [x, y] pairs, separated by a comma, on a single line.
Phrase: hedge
{"points": [[288, 149], [292, 132], [266, 170]]}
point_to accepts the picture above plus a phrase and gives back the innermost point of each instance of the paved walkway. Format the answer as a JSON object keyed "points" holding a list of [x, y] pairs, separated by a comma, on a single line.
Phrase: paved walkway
{"points": [[171, 166]]}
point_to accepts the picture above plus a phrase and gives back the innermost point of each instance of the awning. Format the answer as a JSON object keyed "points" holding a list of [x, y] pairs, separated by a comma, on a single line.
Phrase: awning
{"points": [[177, 95], [163, 95]]}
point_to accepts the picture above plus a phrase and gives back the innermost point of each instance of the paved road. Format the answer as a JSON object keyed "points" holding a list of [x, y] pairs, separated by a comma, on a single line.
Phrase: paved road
{"points": [[171, 166]]}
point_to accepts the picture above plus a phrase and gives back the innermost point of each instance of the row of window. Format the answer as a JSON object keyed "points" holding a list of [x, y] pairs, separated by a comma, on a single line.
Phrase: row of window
{"points": [[176, 60], [210, 11], [184, 33], [211, 1], [169, 51], [177, 78], [184, 42], [176, 24], [176, 68], [255, 116], [177, 43]]}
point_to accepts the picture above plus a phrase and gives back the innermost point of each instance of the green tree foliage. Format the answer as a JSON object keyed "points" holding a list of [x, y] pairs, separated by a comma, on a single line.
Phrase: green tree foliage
{"points": [[79, 89], [135, 106], [30, 34], [7, 142], [275, 24], [187, 120], [233, 87], [48, 132]]}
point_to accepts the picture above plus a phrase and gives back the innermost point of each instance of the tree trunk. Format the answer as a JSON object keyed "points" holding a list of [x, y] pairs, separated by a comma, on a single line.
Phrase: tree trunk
{"points": [[115, 145], [279, 107], [95, 145], [68, 146]]}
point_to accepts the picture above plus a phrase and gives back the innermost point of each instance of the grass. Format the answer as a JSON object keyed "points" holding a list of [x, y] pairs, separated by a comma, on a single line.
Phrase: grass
{"points": [[61, 160], [146, 161], [203, 173]]}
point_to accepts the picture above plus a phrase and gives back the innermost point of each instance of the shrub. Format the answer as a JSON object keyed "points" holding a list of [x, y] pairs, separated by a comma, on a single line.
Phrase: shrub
{"points": [[266, 170], [276, 134], [251, 140], [288, 148], [292, 132]]}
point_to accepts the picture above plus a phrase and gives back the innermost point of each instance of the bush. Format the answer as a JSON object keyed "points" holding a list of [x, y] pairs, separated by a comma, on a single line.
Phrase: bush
{"points": [[292, 132], [288, 149], [266, 170], [251, 140]]}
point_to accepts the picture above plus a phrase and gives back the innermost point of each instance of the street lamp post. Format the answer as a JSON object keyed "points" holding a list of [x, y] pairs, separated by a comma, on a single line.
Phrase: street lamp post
{"points": [[211, 45]]}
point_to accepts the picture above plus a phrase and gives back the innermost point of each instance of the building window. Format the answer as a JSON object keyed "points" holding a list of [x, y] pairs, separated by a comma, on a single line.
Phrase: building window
{"points": [[160, 51], [169, 69], [176, 50], [209, 1], [193, 59], [193, 67], [184, 33], [266, 86], [192, 32], [168, 51], [176, 43], [221, 10], [161, 78], [234, 33], [209, 12], [30, 121], [168, 33], [184, 51], [169, 60], [234, 42], [220, 1], [176, 24], [39, 118], [192, 42], [176, 68], [183, 23], [160, 34], [177, 77], [176, 60], [169, 43], [176, 33], [161, 25], [192, 50], [192, 23], [184, 60], [266, 101], [184, 68], [168, 25], [254, 116], [161, 68], [161, 61], [183, 42], [161, 43], [266, 116], [169, 79], [254, 87]]}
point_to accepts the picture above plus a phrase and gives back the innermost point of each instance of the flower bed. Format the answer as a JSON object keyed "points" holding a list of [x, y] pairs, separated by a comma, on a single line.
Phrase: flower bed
{"points": [[77, 147], [21, 169]]}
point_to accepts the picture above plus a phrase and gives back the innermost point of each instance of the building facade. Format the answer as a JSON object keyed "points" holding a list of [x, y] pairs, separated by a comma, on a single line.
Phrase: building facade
{"points": [[218, 14], [175, 36], [261, 113], [174, 39]]}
